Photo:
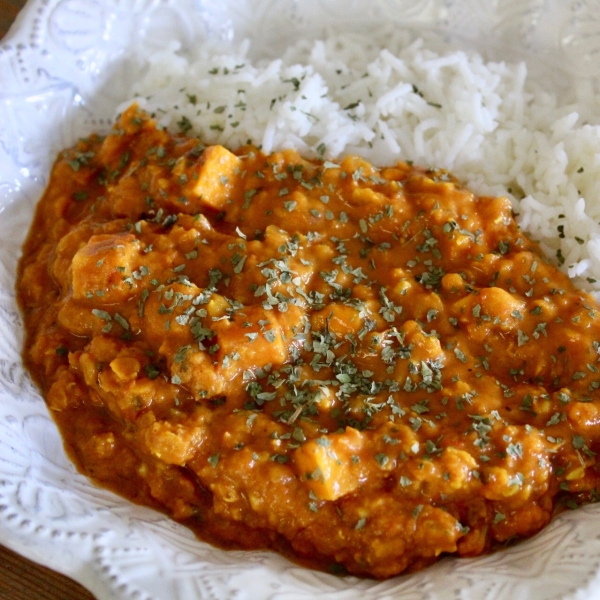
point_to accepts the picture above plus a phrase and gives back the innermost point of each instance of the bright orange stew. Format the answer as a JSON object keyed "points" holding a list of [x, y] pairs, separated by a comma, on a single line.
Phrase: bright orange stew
{"points": [[362, 368]]}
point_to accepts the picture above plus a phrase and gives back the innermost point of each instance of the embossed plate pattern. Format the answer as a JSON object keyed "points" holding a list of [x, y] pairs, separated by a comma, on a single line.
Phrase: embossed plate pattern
{"points": [[64, 68]]}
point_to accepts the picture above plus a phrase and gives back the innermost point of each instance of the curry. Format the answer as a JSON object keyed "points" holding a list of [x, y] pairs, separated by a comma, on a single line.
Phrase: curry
{"points": [[363, 368]]}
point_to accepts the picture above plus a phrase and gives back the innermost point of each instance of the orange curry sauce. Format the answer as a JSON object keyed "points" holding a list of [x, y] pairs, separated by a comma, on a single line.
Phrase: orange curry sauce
{"points": [[363, 368]]}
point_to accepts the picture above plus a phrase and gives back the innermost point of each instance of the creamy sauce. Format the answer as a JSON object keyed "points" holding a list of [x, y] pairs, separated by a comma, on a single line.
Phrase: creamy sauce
{"points": [[362, 368]]}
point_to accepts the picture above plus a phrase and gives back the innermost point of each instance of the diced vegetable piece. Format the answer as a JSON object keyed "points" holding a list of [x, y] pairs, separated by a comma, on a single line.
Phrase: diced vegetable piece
{"points": [[216, 176], [256, 336], [102, 269], [327, 465]]}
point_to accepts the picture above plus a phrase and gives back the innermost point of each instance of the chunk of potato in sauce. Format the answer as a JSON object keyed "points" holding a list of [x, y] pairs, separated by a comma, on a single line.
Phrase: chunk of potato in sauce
{"points": [[363, 368]]}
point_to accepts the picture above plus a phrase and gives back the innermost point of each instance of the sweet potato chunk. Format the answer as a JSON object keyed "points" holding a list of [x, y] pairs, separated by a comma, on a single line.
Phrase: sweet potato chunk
{"points": [[216, 176], [256, 337], [102, 269], [326, 464]]}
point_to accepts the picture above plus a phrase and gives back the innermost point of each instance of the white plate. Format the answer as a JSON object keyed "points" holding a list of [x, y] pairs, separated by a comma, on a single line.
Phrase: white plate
{"points": [[64, 68]]}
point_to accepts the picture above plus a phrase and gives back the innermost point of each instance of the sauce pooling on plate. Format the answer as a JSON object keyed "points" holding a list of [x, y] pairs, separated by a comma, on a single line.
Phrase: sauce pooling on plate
{"points": [[362, 368]]}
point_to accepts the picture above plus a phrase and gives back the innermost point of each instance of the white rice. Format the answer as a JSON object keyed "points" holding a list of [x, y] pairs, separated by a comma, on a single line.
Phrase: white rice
{"points": [[485, 122]]}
